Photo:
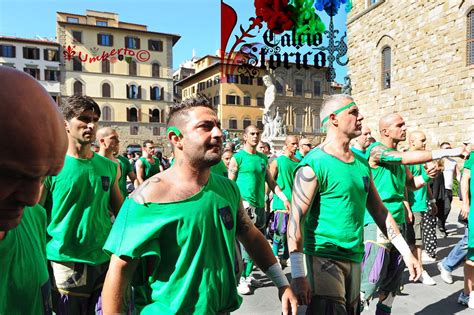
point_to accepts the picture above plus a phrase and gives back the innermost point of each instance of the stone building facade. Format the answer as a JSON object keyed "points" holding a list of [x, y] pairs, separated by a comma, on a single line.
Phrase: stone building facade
{"points": [[415, 58]]}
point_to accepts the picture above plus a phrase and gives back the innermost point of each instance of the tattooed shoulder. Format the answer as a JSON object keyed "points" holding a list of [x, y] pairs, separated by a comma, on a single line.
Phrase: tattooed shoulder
{"points": [[244, 223]]}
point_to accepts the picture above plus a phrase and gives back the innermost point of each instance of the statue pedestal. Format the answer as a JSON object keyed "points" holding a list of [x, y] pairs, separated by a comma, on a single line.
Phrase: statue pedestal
{"points": [[277, 144]]}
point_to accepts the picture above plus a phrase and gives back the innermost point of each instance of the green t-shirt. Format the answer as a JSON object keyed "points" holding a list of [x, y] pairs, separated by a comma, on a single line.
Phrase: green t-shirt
{"points": [[220, 169], [361, 153], [24, 279], [80, 220], [125, 168], [150, 169], [193, 241], [251, 177], [468, 165], [298, 155], [285, 178], [418, 199], [334, 225], [390, 181]]}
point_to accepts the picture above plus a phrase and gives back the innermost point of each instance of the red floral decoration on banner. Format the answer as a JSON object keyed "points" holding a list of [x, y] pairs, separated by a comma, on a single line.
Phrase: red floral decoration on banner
{"points": [[275, 13]]}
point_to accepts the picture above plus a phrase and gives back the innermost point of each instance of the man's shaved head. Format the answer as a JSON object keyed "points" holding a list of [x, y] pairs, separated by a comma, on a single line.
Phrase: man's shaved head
{"points": [[34, 143], [392, 128], [104, 132], [289, 139], [388, 120]]}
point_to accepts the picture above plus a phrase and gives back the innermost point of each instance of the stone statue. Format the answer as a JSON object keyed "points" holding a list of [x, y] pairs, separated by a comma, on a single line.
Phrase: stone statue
{"points": [[272, 120], [270, 94], [347, 88]]}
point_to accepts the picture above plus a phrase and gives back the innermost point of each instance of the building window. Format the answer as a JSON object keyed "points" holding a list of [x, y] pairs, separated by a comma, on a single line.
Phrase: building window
{"points": [[101, 23], [232, 123], [156, 131], [260, 81], [51, 75], [247, 122], [298, 122], [209, 83], [247, 100], [77, 36], [260, 101], [232, 99], [132, 114], [386, 65], [299, 87], [317, 88], [105, 66], [106, 113], [155, 45], [470, 37], [134, 91], [156, 93], [232, 78], [259, 124], [155, 70], [77, 88], [133, 130], [154, 115], [105, 90], [71, 19], [132, 68], [217, 100], [279, 87], [31, 53], [201, 86], [316, 123], [34, 72], [105, 40], [217, 80], [51, 54], [7, 51], [132, 42], [246, 80], [76, 64]]}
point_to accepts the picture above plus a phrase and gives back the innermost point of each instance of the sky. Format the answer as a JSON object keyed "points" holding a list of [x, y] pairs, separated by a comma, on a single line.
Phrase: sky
{"points": [[196, 21]]}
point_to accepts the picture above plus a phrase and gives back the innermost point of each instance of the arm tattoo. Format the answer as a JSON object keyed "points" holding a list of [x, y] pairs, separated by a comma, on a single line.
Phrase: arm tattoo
{"points": [[233, 171], [139, 195], [391, 233], [243, 224], [299, 199], [376, 153]]}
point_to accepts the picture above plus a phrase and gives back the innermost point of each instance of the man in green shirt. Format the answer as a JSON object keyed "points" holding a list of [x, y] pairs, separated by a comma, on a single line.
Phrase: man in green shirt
{"points": [[282, 169], [79, 222], [249, 169], [360, 144], [109, 143], [417, 205], [305, 147], [184, 222], [24, 280], [466, 296], [391, 178], [147, 165], [331, 191]]}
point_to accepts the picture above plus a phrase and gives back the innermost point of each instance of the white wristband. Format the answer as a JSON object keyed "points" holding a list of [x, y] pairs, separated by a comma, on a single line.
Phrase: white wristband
{"points": [[438, 154], [277, 276], [401, 245], [297, 265]]}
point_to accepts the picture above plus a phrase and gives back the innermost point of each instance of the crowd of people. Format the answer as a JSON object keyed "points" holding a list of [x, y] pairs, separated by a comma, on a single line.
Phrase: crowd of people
{"points": [[87, 230]]}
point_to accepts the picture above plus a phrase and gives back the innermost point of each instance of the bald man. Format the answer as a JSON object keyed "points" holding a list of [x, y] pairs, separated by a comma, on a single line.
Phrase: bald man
{"points": [[328, 205], [391, 177], [305, 147], [81, 196], [282, 170], [362, 142], [24, 279]]}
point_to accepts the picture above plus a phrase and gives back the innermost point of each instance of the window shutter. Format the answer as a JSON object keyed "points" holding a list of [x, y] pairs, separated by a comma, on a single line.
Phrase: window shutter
{"points": [[238, 100], [139, 115], [152, 95], [25, 52], [99, 42], [138, 43], [45, 53], [162, 94], [126, 42], [128, 95], [139, 92], [111, 40], [128, 113]]}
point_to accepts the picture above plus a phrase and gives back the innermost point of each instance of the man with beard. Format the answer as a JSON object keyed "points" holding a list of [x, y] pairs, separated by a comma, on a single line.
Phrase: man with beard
{"points": [[362, 142], [249, 169], [185, 221], [147, 165], [327, 216], [24, 281], [81, 196]]}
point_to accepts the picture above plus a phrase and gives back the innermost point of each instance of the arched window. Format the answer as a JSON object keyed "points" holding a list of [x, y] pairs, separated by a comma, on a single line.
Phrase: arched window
{"points": [[105, 90], [106, 113], [247, 99], [132, 114], [78, 88], [470, 37], [155, 70], [156, 93], [259, 124], [76, 64], [247, 122], [386, 65], [154, 115], [232, 123], [132, 68], [105, 66], [134, 91]]}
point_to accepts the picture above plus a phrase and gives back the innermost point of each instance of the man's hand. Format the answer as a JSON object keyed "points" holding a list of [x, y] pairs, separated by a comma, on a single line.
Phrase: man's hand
{"points": [[287, 206], [409, 217], [289, 303], [464, 211], [432, 169], [434, 209], [302, 290], [414, 267]]}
